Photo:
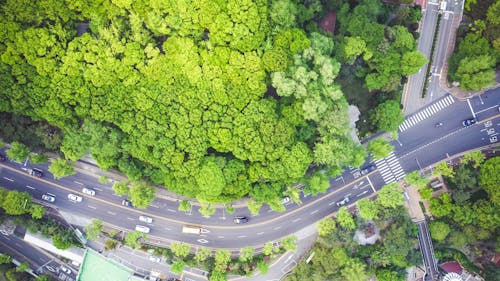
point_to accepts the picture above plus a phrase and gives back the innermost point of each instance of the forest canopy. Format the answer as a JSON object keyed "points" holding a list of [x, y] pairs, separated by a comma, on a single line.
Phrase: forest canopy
{"points": [[213, 99]]}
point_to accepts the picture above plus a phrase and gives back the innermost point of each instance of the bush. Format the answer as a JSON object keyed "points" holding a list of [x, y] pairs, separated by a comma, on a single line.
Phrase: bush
{"points": [[39, 158], [263, 267], [184, 206], [110, 244], [178, 267], [103, 179]]}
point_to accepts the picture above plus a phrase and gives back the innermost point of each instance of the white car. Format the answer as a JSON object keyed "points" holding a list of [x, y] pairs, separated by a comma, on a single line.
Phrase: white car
{"points": [[145, 219], [343, 202], [48, 198], [154, 259], [142, 228], [74, 197], [65, 269], [285, 200], [88, 191]]}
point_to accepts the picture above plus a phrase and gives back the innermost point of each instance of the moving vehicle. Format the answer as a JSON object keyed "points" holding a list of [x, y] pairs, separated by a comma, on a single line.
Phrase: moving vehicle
{"points": [[74, 197], [368, 169], [88, 191], [36, 172], [437, 125], [343, 202], [240, 219], [191, 229], [2, 158], [469, 122], [48, 198], [145, 219], [142, 228], [127, 203]]}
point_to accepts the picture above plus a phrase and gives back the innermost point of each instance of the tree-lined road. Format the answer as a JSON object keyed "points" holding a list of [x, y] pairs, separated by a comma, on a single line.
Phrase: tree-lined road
{"points": [[417, 147]]}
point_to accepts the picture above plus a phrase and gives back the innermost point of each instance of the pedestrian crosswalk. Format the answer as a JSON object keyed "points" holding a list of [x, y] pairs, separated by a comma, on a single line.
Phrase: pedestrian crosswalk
{"points": [[426, 113], [390, 169]]}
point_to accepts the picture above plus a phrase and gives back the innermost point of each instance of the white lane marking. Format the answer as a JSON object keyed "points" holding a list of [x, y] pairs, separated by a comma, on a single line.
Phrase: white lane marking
{"points": [[202, 241], [171, 210], [154, 206], [30, 187], [50, 194], [362, 193], [77, 182], [168, 228], [11, 180], [111, 213], [117, 195], [296, 220], [331, 203], [314, 212], [130, 219], [242, 236], [220, 237], [471, 110], [373, 188], [495, 106], [260, 233], [91, 207], [276, 228], [98, 189]]}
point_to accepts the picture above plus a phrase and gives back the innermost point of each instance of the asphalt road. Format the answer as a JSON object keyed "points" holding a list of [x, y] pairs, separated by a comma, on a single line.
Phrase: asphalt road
{"points": [[39, 260], [415, 85], [417, 147]]}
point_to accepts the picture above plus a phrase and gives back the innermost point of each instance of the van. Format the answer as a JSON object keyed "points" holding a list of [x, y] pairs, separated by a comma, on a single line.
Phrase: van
{"points": [[191, 229], [141, 228]]}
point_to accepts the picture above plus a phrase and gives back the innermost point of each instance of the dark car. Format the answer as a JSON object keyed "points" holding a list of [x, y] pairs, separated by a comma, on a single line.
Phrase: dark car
{"points": [[36, 172], [240, 220], [368, 169], [469, 122], [2, 158], [127, 203]]}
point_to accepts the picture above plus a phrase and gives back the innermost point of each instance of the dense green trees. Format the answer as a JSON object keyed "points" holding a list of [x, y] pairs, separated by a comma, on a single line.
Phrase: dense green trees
{"points": [[18, 151], [380, 148], [387, 116], [61, 168]]}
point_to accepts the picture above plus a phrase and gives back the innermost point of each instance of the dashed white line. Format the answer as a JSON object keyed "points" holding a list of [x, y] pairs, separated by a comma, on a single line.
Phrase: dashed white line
{"points": [[111, 213], [331, 203], [91, 207], [260, 233], [98, 189], [242, 236], [220, 237], [130, 219], [314, 212], [11, 180], [30, 187], [276, 228], [167, 228], [171, 210], [77, 182], [296, 220]]}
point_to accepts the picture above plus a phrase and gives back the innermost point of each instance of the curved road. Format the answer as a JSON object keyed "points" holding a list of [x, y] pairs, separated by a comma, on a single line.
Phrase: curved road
{"points": [[419, 145]]}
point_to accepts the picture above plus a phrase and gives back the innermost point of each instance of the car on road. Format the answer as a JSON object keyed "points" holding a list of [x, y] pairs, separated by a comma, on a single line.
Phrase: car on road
{"points": [[240, 219], [343, 201], [36, 172], [2, 158], [65, 269], [469, 122], [368, 169], [142, 228], [154, 259], [74, 197], [285, 200], [145, 219], [127, 203], [48, 198], [88, 191]]}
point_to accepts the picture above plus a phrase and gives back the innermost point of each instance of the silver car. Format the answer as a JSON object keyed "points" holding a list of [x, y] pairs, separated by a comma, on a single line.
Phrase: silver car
{"points": [[48, 198], [74, 198], [88, 191], [146, 219]]}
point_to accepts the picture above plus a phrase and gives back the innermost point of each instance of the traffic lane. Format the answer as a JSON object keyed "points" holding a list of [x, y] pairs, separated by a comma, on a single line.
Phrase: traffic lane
{"points": [[444, 34], [426, 131], [463, 139]]}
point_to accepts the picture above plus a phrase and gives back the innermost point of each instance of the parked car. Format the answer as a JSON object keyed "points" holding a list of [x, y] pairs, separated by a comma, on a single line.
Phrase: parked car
{"points": [[343, 202], [368, 169], [240, 219], [88, 191], [2, 158], [127, 203], [48, 198], [145, 219], [469, 122], [36, 172], [74, 197], [154, 259], [65, 269], [285, 200]]}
